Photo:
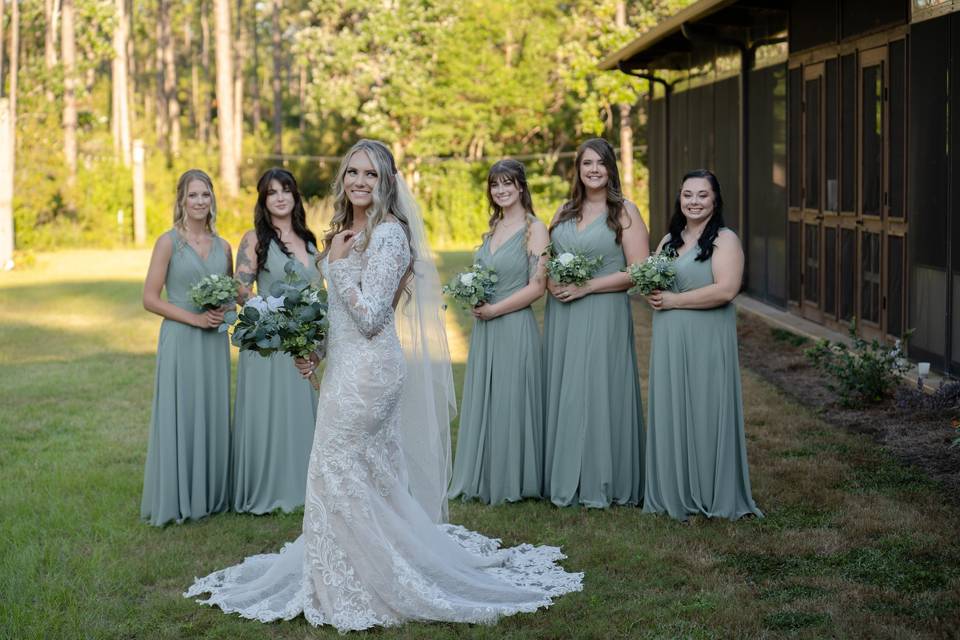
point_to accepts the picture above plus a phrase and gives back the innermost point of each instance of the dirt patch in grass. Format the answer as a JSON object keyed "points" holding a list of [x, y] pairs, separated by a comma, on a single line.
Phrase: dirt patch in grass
{"points": [[920, 439]]}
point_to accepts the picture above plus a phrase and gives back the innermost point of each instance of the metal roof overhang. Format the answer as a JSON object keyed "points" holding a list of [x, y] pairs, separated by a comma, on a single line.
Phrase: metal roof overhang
{"points": [[679, 42]]}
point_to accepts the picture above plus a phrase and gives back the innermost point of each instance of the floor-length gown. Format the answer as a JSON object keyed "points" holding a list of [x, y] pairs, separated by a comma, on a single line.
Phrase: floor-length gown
{"points": [[369, 554], [188, 453], [593, 422], [500, 444], [274, 416], [696, 449]]}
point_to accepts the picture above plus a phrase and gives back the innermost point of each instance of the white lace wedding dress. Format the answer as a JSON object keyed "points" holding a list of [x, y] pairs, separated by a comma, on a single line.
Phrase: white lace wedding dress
{"points": [[369, 554]]}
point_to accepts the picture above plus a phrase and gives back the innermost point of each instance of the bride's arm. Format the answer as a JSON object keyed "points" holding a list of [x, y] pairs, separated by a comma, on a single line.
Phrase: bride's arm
{"points": [[388, 257]]}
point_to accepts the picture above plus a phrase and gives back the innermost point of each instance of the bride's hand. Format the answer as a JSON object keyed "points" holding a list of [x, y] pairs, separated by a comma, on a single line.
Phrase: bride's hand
{"points": [[340, 245], [307, 366]]}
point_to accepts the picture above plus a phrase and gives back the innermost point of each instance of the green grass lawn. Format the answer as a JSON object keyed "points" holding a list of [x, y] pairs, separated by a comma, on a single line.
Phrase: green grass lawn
{"points": [[853, 546]]}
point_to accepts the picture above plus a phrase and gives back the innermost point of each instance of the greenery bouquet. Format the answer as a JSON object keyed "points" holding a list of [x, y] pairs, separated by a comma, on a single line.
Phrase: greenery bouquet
{"points": [[291, 320], [214, 291], [472, 287], [570, 268], [657, 273]]}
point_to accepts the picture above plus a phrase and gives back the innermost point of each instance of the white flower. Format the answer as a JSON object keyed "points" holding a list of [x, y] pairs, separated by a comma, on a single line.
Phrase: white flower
{"points": [[565, 258], [275, 303], [258, 303], [467, 278]]}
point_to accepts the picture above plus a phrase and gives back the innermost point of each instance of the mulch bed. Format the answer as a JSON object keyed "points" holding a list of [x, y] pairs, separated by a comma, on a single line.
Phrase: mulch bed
{"points": [[921, 439]]}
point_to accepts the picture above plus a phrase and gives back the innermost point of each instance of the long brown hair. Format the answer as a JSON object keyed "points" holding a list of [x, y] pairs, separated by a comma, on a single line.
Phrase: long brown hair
{"points": [[261, 217], [572, 209]]}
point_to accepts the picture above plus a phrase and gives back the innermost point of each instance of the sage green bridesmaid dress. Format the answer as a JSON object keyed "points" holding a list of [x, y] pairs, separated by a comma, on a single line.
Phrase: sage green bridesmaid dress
{"points": [[500, 442], [593, 421], [696, 451], [187, 471], [275, 413]]}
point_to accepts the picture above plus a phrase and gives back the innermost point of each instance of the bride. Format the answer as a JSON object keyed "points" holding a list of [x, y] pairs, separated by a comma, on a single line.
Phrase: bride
{"points": [[374, 551]]}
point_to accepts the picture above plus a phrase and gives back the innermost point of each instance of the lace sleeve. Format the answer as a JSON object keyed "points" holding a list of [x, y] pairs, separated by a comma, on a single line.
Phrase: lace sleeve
{"points": [[370, 302]]}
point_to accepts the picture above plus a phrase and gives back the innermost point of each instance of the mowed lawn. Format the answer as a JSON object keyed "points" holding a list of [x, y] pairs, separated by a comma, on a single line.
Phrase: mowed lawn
{"points": [[853, 545]]}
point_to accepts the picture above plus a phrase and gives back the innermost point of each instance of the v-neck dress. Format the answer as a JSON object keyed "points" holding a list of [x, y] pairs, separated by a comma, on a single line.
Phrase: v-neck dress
{"points": [[593, 426], [500, 441], [274, 415], [188, 453], [696, 449]]}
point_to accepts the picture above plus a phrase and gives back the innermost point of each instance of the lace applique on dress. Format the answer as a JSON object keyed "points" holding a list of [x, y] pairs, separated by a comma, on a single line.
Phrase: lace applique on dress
{"points": [[369, 555]]}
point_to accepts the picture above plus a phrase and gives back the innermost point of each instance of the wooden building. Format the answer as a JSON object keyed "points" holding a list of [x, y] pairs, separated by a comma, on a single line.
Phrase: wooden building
{"points": [[828, 123]]}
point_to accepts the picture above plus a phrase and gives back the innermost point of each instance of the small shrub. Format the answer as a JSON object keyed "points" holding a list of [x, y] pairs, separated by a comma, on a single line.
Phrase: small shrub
{"points": [[864, 373]]}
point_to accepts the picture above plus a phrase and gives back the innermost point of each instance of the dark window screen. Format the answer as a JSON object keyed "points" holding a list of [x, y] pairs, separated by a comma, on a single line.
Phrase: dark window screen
{"points": [[811, 263], [872, 132], [927, 198], [795, 97], [848, 273], [864, 16], [870, 277], [831, 139], [895, 285], [796, 264], [812, 22], [830, 270], [811, 148], [898, 123], [725, 159], [848, 133]]}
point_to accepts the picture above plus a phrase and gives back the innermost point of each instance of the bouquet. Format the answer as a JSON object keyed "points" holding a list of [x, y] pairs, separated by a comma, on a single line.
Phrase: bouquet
{"points": [[570, 268], [292, 320], [472, 287], [214, 291], [656, 273]]}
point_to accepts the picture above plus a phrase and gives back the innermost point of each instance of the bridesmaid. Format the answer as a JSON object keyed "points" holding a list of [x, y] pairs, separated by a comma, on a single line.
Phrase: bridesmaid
{"points": [[276, 409], [187, 456], [696, 451], [499, 447], [594, 427]]}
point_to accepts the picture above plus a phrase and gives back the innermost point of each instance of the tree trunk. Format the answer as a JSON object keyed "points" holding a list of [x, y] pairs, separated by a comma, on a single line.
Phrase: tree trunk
{"points": [[229, 175], [626, 129], [277, 81], [302, 97], [8, 137], [241, 55], [3, 88], [194, 74], [139, 196], [69, 54], [204, 106], [51, 11], [131, 67], [161, 122], [257, 107], [121, 113], [172, 105]]}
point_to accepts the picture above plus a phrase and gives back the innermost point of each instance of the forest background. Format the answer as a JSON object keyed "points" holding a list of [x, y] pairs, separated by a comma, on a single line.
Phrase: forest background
{"points": [[236, 86]]}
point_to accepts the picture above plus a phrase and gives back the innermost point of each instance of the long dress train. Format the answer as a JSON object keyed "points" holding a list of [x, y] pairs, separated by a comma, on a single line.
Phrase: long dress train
{"points": [[369, 554]]}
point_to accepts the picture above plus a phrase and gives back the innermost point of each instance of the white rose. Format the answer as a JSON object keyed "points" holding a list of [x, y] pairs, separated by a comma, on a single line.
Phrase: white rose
{"points": [[467, 278], [275, 303], [258, 303], [565, 258]]}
